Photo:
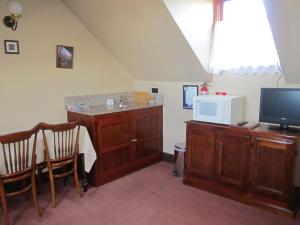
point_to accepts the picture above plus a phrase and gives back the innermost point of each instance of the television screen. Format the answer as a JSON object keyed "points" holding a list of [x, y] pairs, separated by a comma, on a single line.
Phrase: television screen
{"points": [[280, 105]]}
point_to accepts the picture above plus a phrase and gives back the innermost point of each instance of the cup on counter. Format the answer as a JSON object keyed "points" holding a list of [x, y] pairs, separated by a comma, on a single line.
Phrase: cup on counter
{"points": [[110, 102], [151, 102]]}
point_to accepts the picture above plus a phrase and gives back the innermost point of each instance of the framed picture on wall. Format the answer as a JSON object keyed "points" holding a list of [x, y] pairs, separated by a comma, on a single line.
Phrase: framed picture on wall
{"points": [[11, 47], [189, 91], [64, 57]]}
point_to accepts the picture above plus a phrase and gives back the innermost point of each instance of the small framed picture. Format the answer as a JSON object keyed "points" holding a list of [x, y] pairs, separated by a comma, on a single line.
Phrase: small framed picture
{"points": [[189, 91], [11, 47], [64, 57]]}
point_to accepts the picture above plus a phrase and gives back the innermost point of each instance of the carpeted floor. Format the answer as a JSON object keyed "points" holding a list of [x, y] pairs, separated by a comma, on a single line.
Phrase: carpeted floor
{"points": [[148, 197]]}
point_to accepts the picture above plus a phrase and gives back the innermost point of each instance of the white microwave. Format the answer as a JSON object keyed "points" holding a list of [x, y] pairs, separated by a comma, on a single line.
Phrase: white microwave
{"points": [[221, 109]]}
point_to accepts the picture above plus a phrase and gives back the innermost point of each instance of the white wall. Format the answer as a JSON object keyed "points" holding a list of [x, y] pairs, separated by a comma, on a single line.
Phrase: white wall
{"points": [[195, 20], [32, 89], [174, 114], [284, 19]]}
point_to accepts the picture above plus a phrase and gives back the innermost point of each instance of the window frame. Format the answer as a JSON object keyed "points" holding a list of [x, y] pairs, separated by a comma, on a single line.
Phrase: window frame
{"points": [[218, 10]]}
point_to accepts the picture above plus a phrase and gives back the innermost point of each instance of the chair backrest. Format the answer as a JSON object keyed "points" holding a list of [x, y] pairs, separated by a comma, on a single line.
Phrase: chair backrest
{"points": [[62, 141], [18, 150]]}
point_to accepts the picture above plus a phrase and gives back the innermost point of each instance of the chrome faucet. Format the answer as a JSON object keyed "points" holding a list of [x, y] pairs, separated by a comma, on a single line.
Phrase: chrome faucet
{"points": [[119, 101]]}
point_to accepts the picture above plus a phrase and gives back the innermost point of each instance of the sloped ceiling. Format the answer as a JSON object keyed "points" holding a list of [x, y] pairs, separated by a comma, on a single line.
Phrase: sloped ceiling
{"points": [[143, 37], [195, 20], [284, 18]]}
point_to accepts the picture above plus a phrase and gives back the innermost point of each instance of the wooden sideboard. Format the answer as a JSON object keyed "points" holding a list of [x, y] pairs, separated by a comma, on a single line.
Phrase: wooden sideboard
{"points": [[124, 141], [253, 166]]}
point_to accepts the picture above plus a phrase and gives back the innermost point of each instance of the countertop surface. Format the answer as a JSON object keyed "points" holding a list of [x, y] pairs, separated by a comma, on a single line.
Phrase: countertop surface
{"points": [[94, 110]]}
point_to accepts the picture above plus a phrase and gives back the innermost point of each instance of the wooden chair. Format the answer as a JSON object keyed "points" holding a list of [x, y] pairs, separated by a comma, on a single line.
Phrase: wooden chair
{"points": [[19, 166], [61, 150]]}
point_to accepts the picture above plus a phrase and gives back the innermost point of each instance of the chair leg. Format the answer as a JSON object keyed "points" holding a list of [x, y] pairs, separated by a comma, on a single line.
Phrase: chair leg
{"points": [[34, 195], [77, 183], [39, 189], [4, 204], [52, 184]]}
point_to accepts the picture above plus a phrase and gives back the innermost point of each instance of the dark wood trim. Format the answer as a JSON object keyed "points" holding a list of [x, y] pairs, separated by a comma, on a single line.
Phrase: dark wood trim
{"points": [[167, 157]]}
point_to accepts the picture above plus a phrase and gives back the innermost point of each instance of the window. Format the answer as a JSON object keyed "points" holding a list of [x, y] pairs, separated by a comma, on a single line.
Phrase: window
{"points": [[243, 41]]}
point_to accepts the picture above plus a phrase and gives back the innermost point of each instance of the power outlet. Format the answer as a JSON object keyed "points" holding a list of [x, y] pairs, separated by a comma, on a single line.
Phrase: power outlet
{"points": [[154, 90]]}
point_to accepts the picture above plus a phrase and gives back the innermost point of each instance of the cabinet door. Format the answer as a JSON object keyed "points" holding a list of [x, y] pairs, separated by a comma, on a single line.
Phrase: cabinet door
{"points": [[200, 151], [115, 136], [273, 167], [148, 134], [232, 157]]}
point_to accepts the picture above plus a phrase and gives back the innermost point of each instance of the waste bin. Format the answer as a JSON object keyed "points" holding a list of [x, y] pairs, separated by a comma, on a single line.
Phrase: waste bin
{"points": [[179, 150]]}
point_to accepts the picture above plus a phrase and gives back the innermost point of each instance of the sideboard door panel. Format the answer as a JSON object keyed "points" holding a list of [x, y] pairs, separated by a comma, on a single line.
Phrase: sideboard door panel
{"points": [[114, 133], [115, 142], [200, 152], [148, 134], [272, 167], [232, 157]]}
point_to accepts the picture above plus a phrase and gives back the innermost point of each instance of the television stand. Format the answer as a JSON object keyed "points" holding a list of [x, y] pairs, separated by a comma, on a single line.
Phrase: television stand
{"points": [[252, 166], [284, 128]]}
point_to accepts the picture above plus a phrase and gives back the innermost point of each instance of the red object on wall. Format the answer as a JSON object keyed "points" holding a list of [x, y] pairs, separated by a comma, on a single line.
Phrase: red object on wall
{"points": [[221, 93], [204, 88]]}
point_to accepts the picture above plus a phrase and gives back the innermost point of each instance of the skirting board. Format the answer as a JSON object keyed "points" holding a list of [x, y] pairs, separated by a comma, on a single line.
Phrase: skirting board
{"points": [[167, 157]]}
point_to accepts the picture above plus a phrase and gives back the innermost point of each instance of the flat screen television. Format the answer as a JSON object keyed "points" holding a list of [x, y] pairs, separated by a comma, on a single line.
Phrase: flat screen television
{"points": [[280, 106]]}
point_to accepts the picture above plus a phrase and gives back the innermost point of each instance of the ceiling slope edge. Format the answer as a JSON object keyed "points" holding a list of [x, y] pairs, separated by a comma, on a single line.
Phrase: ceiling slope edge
{"points": [[143, 37]]}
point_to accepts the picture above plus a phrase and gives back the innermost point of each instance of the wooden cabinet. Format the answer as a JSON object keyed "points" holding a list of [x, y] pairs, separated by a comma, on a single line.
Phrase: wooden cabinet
{"points": [[148, 134], [124, 141], [233, 157], [115, 137], [251, 166], [200, 158], [272, 167]]}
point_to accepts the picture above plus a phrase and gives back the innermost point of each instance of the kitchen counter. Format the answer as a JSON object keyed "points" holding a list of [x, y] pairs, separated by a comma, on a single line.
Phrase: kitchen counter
{"points": [[94, 110]]}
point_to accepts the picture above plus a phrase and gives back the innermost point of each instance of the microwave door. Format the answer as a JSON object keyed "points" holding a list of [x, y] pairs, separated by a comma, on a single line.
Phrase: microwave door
{"points": [[209, 110]]}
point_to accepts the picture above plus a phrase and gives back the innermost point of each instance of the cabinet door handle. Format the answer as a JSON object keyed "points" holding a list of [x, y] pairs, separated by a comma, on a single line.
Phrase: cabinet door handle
{"points": [[134, 140], [257, 152], [285, 142], [221, 146], [248, 136]]}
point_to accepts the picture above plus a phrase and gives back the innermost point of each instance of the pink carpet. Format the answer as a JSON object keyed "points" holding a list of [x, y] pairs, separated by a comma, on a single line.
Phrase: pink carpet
{"points": [[148, 197]]}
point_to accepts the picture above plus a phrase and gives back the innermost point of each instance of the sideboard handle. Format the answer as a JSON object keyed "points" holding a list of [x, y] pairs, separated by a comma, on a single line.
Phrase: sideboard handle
{"points": [[248, 136]]}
